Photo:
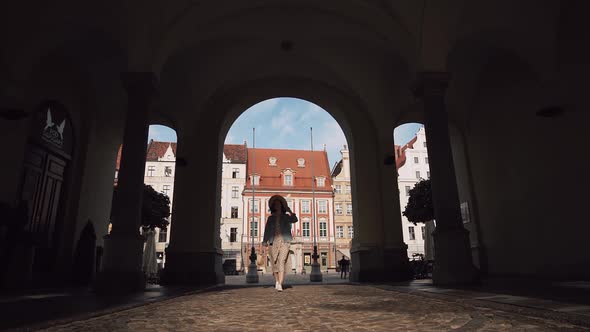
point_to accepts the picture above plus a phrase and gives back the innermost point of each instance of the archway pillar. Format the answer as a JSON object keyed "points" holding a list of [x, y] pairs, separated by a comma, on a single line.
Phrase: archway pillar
{"points": [[367, 252], [453, 262], [395, 251], [123, 248], [194, 256]]}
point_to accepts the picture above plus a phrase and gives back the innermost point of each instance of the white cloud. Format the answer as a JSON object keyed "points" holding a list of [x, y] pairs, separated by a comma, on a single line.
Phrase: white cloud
{"points": [[264, 106]]}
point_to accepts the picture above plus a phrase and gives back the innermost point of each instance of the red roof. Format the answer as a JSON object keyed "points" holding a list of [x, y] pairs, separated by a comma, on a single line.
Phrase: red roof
{"points": [[271, 177], [157, 149], [237, 153], [400, 152]]}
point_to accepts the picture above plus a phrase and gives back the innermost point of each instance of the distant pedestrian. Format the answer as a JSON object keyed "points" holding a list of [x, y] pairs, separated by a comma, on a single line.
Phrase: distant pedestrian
{"points": [[343, 264]]}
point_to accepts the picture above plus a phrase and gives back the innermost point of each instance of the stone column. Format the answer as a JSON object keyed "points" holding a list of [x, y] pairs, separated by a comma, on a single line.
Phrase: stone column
{"points": [[367, 262], [194, 256], [395, 251], [123, 248], [453, 261]]}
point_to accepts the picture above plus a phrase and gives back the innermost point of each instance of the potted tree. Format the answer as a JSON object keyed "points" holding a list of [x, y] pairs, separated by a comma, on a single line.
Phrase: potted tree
{"points": [[420, 210]]}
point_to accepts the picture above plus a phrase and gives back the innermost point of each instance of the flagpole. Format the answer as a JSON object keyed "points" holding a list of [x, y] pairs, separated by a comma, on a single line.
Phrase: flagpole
{"points": [[252, 276], [316, 273]]}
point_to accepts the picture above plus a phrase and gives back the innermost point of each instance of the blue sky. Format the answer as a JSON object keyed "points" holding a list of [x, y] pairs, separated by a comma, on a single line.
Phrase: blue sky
{"points": [[284, 123]]}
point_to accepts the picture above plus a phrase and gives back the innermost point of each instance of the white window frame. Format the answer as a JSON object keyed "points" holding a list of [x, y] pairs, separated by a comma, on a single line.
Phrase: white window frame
{"points": [[338, 208], [349, 209], [288, 180], [338, 189], [350, 231], [305, 206], [305, 232], [323, 210], [411, 233], [324, 229], [340, 232], [235, 192], [254, 207], [321, 181]]}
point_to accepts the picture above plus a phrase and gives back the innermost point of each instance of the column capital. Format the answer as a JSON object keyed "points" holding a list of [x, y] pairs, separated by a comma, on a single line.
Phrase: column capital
{"points": [[140, 83], [431, 83]]}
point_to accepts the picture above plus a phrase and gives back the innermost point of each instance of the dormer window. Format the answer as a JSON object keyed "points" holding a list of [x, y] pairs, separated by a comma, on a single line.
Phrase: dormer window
{"points": [[272, 161], [255, 180], [288, 179], [300, 162], [321, 181]]}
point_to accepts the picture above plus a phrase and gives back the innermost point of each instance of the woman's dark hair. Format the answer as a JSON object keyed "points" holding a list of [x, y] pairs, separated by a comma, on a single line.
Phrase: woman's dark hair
{"points": [[283, 208]]}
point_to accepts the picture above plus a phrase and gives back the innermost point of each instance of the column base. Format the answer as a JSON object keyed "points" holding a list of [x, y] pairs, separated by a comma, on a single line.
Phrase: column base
{"points": [[193, 268], [453, 263], [396, 266], [121, 272], [375, 264], [316, 273]]}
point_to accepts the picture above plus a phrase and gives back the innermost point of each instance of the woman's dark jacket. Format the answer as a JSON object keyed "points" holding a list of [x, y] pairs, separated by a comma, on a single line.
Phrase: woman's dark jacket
{"points": [[285, 224]]}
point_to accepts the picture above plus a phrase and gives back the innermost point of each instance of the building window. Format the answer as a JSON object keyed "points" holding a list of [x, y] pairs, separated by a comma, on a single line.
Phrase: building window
{"points": [[234, 212], [416, 160], [151, 170], [290, 204], [254, 228], [255, 180], [423, 233], [235, 173], [300, 162], [412, 233], [428, 174], [305, 226], [426, 160], [339, 232], [323, 228], [324, 256], [235, 192], [165, 189], [417, 174], [408, 190], [168, 171], [338, 208], [349, 209], [254, 206], [338, 189], [322, 208], [163, 235], [304, 206], [233, 234], [348, 189], [424, 143], [321, 182], [350, 232], [288, 180]]}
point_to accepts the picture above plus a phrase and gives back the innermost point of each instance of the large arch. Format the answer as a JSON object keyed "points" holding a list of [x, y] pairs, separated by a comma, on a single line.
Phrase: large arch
{"points": [[223, 109]]}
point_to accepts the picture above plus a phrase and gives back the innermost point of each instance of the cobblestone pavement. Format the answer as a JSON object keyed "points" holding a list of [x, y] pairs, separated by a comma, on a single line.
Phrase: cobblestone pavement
{"points": [[325, 307]]}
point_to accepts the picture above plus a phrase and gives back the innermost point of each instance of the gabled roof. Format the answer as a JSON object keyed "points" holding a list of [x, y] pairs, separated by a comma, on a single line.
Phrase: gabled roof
{"points": [[157, 149], [271, 177], [236, 153]]}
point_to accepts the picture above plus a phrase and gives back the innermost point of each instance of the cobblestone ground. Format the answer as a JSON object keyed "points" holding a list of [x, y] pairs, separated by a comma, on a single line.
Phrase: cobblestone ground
{"points": [[310, 308]]}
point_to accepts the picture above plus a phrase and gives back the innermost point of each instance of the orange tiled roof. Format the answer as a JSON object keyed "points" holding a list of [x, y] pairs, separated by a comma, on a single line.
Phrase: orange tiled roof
{"points": [[157, 149], [235, 152], [271, 177]]}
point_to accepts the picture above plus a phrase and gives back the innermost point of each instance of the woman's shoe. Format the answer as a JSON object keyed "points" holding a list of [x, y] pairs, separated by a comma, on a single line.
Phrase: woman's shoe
{"points": [[279, 287]]}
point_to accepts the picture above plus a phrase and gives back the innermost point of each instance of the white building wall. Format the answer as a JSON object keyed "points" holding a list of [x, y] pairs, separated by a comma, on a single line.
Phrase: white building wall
{"points": [[416, 161], [228, 200]]}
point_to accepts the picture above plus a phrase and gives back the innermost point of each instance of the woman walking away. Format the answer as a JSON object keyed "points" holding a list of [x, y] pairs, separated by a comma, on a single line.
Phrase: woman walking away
{"points": [[277, 235]]}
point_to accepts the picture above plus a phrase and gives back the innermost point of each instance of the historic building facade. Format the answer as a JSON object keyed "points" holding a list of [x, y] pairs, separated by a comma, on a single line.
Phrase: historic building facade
{"points": [[290, 173], [233, 179], [344, 230], [412, 166]]}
